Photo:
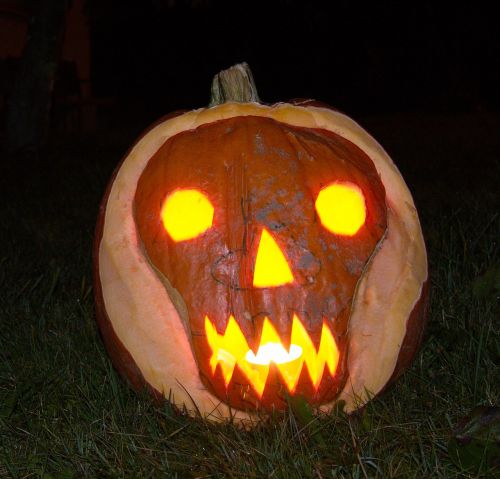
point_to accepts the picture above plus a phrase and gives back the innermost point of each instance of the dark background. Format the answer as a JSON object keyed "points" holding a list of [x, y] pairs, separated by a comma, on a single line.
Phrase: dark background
{"points": [[150, 57], [364, 59]]}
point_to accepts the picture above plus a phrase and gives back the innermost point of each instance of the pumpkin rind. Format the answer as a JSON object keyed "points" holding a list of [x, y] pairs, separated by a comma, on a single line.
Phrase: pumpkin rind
{"points": [[132, 292]]}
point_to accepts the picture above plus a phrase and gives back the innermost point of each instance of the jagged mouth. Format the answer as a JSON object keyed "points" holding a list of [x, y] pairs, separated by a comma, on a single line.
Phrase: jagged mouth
{"points": [[230, 350]]}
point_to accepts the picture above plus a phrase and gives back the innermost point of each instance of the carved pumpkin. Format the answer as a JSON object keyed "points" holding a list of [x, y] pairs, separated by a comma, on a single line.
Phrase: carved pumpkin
{"points": [[248, 252]]}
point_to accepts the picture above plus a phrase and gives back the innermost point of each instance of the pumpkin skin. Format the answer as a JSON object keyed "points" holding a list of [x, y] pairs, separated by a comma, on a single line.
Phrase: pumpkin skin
{"points": [[153, 293]]}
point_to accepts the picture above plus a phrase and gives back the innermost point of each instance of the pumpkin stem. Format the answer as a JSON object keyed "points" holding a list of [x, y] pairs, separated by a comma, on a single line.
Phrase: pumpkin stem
{"points": [[234, 84]]}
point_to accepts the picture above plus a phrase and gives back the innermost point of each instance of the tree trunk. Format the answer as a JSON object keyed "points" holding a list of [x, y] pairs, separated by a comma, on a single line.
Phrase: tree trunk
{"points": [[28, 110]]}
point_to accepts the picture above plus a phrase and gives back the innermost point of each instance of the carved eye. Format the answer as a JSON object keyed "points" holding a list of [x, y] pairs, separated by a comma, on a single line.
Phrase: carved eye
{"points": [[341, 208], [186, 214]]}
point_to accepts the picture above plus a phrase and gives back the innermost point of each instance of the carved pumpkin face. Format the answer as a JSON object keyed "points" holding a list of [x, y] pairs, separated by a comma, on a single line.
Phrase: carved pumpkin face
{"points": [[245, 253], [264, 234]]}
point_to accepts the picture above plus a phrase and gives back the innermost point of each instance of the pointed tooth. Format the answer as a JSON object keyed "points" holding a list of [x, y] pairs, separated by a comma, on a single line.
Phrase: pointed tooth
{"points": [[254, 344], [254, 339], [252, 330], [248, 328], [285, 334], [316, 336]]}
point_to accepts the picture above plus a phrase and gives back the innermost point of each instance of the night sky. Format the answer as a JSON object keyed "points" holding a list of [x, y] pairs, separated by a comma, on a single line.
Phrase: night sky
{"points": [[382, 58]]}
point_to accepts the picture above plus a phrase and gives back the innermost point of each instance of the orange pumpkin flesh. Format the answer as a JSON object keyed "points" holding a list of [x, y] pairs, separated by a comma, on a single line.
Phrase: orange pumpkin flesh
{"points": [[160, 300], [242, 175]]}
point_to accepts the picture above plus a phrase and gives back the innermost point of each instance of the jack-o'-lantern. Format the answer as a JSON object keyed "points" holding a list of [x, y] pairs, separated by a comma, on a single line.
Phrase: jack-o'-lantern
{"points": [[246, 253]]}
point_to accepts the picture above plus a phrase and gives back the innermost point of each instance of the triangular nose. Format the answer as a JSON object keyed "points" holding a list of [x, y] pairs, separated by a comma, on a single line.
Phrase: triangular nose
{"points": [[271, 267]]}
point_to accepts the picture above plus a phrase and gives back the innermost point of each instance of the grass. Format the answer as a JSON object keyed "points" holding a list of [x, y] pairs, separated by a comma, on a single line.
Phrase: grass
{"points": [[64, 412]]}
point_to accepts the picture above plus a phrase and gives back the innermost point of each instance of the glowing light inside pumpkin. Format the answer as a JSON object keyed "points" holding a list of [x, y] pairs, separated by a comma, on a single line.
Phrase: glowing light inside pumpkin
{"points": [[341, 208], [273, 353], [230, 349], [271, 266], [186, 214]]}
